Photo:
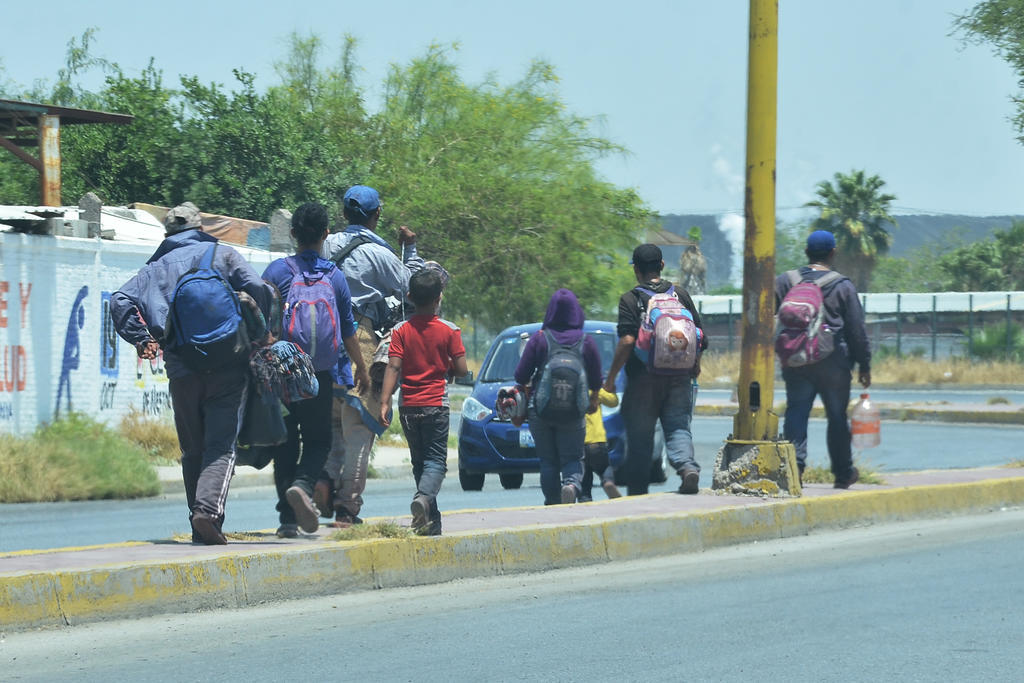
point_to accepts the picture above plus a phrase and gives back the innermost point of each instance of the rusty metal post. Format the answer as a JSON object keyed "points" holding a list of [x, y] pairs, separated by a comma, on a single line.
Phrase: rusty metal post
{"points": [[754, 421], [49, 156]]}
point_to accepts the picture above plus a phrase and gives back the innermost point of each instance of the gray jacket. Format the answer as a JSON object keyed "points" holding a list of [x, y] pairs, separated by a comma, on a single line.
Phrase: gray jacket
{"points": [[140, 307]]}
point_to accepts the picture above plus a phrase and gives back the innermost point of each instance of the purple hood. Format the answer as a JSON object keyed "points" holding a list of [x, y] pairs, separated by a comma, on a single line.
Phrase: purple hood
{"points": [[564, 317]]}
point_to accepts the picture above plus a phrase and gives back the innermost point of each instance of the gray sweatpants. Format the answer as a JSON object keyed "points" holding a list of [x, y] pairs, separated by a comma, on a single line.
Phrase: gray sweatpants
{"points": [[208, 410]]}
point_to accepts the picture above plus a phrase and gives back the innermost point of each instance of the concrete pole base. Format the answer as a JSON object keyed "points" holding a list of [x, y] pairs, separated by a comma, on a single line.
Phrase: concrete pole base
{"points": [[757, 468]]}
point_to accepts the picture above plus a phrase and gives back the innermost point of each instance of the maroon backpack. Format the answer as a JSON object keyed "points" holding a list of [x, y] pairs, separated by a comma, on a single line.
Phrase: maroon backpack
{"points": [[803, 338]]}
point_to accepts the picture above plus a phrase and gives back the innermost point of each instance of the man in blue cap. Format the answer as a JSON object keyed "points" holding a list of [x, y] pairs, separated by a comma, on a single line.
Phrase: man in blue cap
{"points": [[818, 359], [378, 280]]}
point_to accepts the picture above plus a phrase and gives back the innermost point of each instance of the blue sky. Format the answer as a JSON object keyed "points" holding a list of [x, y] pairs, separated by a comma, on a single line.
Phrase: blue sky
{"points": [[874, 84]]}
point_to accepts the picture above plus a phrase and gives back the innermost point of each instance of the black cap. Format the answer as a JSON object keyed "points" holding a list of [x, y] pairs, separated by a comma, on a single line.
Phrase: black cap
{"points": [[647, 255]]}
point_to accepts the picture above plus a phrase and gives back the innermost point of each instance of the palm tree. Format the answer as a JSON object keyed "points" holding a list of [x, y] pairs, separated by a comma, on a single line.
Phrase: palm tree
{"points": [[856, 211]]}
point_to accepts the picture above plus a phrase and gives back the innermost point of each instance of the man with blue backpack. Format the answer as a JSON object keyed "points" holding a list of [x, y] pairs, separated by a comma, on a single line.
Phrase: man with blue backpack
{"points": [[185, 302], [821, 335], [660, 341], [318, 319]]}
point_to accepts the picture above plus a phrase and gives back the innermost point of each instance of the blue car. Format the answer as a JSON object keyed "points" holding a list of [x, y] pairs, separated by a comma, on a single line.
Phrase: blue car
{"points": [[489, 445]]}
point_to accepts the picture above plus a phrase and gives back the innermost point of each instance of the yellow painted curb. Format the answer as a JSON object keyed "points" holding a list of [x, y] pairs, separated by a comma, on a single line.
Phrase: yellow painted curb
{"points": [[237, 579]]}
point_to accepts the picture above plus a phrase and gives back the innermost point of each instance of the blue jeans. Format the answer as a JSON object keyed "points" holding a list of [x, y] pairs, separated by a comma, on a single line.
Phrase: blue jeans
{"points": [[831, 380], [426, 430], [646, 399], [560, 450]]}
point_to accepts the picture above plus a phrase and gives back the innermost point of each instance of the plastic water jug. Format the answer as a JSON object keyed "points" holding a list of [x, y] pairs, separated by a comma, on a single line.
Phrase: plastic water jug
{"points": [[865, 424]]}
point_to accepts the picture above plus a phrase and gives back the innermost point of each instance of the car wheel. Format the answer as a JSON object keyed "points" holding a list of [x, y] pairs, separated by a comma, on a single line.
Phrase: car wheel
{"points": [[512, 480], [471, 481]]}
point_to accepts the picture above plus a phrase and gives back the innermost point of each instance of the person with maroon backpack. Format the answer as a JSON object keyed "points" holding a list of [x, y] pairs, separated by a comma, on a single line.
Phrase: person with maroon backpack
{"points": [[318, 319], [821, 335]]}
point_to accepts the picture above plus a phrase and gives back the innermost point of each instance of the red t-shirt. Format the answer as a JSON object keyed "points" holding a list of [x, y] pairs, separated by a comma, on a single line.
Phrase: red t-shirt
{"points": [[427, 346]]}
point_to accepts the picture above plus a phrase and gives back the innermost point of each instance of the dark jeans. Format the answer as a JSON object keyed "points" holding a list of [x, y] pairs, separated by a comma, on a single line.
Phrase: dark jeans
{"points": [[208, 409], [299, 460], [647, 399], [831, 380], [595, 460], [560, 450], [426, 430]]}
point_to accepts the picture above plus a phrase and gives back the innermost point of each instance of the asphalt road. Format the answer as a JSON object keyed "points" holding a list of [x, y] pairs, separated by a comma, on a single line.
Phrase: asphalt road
{"points": [[905, 446], [934, 600]]}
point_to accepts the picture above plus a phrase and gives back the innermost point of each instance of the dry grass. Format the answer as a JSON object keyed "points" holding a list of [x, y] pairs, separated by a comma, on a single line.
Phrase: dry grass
{"points": [[815, 474], [723, 370], [362, 532], [156, 437], [73, 458]]}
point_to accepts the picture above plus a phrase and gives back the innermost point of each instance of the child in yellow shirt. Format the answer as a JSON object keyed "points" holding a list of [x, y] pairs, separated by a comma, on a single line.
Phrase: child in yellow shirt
{"points": [[595, 451]]}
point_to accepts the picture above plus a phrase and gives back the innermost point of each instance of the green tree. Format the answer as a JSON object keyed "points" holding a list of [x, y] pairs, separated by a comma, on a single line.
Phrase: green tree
{"points": [[996, 264], [500, 183], [999, 23], [919, 272], [856, 210]]}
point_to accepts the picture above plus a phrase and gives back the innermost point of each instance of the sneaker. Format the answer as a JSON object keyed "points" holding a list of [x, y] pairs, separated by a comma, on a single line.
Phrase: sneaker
{"points": [[849, 481], [306, 513], [344, 520], [208, 530], [568, 494], [610, 489], [691, 481], [323, 496], [585, 498], [420, 508], [288, 531]]}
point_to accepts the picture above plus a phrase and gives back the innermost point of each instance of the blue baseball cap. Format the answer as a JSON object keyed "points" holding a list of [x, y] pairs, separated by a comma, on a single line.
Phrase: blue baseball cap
{"points": [[821, 241], [361, 199]]}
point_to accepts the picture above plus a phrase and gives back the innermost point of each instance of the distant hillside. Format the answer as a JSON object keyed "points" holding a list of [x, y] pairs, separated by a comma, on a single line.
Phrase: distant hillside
{"points": [[912, 232]]}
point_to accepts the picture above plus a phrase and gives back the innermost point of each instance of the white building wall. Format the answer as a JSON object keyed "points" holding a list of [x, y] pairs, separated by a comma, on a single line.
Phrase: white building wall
{"points": [[58, 350]]}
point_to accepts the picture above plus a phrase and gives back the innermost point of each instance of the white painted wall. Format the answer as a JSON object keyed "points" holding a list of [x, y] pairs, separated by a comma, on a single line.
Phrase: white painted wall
{"points": [[56, 339]]}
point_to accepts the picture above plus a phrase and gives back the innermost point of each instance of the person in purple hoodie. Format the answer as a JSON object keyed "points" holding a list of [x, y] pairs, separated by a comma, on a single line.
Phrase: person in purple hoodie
{"points": [[559, 443]]}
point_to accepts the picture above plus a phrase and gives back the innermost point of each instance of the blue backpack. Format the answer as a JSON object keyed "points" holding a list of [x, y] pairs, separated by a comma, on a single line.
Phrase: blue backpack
{"points": [[311, 315], [206, 319], [561, 394]]}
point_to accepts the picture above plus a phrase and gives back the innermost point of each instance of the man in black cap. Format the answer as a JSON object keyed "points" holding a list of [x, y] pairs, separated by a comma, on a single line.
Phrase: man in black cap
{"points": [[650, 397], [821, 372], [208, 402]]}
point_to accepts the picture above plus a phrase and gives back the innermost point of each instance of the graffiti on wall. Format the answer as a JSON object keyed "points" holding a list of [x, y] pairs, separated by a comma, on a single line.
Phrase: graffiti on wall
{"points": [[72, 350], [14, 370]]}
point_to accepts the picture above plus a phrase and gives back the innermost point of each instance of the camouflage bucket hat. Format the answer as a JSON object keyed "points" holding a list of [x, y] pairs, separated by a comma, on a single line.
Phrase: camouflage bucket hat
{"points": [[182, 217]]}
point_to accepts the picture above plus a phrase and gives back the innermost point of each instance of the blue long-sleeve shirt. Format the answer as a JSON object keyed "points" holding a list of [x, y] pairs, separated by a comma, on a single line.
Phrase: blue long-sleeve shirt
{"points": [[843, 313], [140, 307]]}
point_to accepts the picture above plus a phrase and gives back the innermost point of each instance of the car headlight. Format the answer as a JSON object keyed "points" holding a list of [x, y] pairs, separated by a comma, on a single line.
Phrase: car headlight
{"points": [[473, 409]]}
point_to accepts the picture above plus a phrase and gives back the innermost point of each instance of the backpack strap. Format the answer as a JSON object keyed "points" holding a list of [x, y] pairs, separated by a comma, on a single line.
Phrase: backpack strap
{"points": [[292, 265], [207, 260], [794, 277], [832, 276], [352, 245]]}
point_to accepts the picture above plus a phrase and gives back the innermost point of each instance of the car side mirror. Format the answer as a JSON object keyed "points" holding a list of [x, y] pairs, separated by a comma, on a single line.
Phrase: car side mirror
{"points": [[466, 380]]}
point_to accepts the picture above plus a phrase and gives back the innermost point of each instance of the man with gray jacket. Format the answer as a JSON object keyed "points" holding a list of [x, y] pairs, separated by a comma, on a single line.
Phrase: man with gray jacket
{"points": [[208, 402]]}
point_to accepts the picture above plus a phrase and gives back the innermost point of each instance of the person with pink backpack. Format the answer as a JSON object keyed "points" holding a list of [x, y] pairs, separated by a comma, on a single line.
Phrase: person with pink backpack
{"points": [[820, 336]]}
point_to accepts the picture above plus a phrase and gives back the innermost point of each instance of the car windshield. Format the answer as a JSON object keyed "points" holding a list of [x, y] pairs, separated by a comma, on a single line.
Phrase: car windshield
{"points": [[502, 365]]}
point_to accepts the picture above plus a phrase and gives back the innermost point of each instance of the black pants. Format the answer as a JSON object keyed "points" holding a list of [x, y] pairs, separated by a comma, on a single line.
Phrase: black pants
{"points": [[208, 409], [595, 461], [299, 460], [426, 430]]}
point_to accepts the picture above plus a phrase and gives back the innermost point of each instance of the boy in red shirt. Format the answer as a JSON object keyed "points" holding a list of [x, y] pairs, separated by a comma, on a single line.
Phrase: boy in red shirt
{"points": [[424, 350]]}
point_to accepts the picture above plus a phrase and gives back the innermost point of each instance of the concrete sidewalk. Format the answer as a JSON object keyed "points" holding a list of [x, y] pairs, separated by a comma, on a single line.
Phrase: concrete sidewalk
{"points": [[75, 585]]}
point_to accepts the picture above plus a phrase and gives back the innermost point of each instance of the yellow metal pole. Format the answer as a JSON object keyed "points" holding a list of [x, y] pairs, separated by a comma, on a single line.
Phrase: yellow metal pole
{"points": [[753, 460], [49, 156], [755, 421]]}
